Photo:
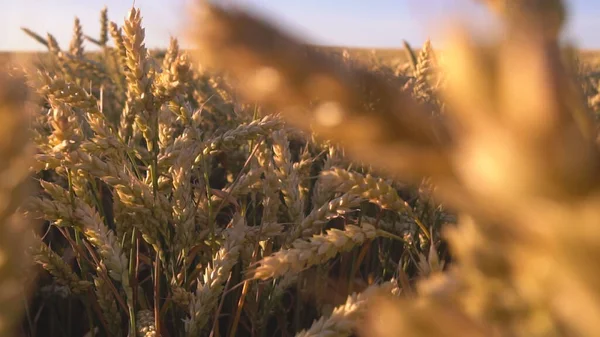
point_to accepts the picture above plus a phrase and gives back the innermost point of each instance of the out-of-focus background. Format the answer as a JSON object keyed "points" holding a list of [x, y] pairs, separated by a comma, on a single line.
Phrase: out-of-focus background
{"points": [[380, 24]]}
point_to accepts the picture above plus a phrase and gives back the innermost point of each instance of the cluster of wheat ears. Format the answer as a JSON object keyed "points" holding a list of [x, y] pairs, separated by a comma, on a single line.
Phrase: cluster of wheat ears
{"points": [[256, 186]]}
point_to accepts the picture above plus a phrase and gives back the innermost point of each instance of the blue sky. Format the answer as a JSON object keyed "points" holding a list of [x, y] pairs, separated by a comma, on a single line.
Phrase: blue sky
{"points": [[366, 23]]}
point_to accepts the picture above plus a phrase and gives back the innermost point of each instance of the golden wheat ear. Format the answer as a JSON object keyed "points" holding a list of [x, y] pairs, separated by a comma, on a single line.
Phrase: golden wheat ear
{"points": [[374, 120]]}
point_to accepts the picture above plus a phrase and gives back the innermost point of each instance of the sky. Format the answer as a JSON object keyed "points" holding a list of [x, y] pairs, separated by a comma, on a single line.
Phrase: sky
{"points": [[358, 23]]}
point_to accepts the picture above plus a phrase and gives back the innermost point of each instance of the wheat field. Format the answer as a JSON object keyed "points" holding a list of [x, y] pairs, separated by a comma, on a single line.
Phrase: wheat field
{"points": [[260, 186]]}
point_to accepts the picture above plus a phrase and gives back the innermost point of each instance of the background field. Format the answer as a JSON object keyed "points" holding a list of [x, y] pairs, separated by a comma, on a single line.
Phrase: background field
{"points": [[386, 56], [166, 200]]}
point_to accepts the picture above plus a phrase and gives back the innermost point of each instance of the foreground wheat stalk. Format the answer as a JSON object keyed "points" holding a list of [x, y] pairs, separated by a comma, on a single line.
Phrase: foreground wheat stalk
{"points": [[16, 233], [521, 159]]}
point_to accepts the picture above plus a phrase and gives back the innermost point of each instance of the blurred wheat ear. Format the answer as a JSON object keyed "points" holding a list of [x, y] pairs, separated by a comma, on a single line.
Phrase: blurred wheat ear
{"points": [[376, 122], [380, 125], [548, 15], [518, 144], [15, 232], [390, 317]]}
